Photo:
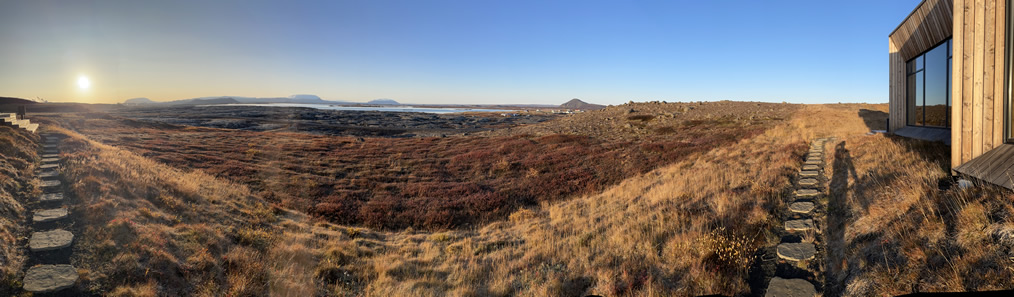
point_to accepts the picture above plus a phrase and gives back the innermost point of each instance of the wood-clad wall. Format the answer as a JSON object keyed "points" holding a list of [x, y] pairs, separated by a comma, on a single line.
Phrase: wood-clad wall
{"points": [[977, 78], [929, 24]]}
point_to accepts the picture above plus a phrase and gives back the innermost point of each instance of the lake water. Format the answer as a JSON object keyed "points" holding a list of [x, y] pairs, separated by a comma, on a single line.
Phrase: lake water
{"points": [[373, 108]]}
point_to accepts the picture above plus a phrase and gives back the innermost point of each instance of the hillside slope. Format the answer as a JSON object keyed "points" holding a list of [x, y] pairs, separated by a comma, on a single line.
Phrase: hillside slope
{"points": [[153, 230], [17, 162], [12, 100], [689, 228]]}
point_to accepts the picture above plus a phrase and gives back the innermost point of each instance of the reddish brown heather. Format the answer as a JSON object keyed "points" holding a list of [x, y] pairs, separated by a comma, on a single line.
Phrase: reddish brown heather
{"points": [[682, 229], [440, 183]]}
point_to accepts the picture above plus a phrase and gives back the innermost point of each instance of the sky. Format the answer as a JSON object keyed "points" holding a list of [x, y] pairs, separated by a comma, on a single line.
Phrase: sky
{"points": [[450, 52]]}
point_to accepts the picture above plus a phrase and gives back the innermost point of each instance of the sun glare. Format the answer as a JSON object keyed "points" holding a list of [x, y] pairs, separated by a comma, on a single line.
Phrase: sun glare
{"points": [[83, 82]]}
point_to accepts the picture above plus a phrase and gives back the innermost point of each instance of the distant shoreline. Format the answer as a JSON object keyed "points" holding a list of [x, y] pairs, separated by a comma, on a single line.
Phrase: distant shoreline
{"points": [[387, 108]]}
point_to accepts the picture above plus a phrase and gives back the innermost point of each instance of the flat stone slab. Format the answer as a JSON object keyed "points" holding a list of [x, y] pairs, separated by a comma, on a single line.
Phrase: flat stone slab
{"points": [[51, 155], [808, 182], [801, 207], [792, 287], [813, 154], [49, 166], [50, 160], [49, 215], [52, 146], [50, 183], [796, 251], [814, 162], [50, 240], [807, 193], [51, 197], [808, 173], [814, 159], [811, 167], [49, 173], [50, 278], [799, 225]]}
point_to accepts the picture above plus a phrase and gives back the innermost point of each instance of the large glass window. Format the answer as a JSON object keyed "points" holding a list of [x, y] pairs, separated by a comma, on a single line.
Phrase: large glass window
{"points": [[929, 87], [1009, 55]]}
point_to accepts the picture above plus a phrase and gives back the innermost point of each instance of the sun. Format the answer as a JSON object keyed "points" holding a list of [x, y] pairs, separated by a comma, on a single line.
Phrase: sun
{"points": [[83, 82]]}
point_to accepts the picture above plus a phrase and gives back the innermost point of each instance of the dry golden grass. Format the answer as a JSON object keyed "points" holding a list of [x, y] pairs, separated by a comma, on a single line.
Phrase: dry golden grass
{"points": [[892, 230], [17, 162], [148, 229], [684, 229]]}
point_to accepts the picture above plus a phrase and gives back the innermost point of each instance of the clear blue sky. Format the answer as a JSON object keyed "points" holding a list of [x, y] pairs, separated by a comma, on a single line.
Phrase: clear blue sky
{"points": [[543, 52]]}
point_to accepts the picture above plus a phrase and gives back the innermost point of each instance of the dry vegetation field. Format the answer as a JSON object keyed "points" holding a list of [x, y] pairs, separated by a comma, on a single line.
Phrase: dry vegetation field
{"points": [[17, 152], [439, 183], [156, 223]]}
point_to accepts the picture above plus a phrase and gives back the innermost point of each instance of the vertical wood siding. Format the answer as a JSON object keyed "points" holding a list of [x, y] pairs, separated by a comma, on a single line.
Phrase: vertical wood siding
{"points": [[977, 76], [977, 114]]}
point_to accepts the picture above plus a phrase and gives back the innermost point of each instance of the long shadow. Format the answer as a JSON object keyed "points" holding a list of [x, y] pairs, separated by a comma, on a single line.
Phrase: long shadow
{"points": [[838, 214], [874, 119]]}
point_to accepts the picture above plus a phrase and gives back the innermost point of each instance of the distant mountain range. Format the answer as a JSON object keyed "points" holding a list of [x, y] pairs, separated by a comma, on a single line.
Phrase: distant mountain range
{"points": [[309, 99], [313, 99], [578, 104], [383, 101]]}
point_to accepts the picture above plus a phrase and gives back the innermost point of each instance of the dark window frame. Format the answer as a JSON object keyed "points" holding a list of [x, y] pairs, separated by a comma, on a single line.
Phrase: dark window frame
{"points": [[1008, 54], [947, 90]]}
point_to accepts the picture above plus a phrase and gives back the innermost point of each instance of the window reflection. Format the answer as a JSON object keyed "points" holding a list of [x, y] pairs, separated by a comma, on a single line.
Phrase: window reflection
{"points": [[929, 87]]}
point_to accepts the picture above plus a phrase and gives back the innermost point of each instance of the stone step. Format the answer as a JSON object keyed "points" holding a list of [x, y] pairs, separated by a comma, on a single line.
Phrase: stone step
{"points": [[49, 215], [50, 151], [50, 155], [50, 160], [792, 287], [814, 162], [811, 167], [49, 278], [50, 240], [49, 166], [815, 155], [49, 146], [49, 174], [807, 193], [796, 251], [50, 183], [799, 225], [808, 173], [801, 207], [51, 197], [808, 182]]}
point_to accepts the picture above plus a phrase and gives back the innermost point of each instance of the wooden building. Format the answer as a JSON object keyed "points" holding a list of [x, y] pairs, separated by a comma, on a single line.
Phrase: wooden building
{"points": [[950, 81]]}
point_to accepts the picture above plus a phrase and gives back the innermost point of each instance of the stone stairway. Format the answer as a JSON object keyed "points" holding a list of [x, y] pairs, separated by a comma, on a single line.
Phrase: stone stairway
{"points": [[50, 244], [799, 247], [12, 119]]}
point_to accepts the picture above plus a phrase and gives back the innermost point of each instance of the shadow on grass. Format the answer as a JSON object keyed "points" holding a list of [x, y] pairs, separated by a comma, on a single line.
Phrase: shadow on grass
{"points": [[837, 217], [874, 119]]}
